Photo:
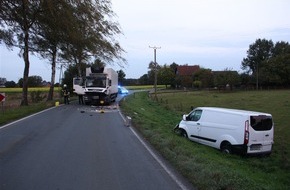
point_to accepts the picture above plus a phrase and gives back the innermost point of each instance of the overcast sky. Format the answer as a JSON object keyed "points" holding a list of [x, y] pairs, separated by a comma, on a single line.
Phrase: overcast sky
{"points": [[214, 34]]}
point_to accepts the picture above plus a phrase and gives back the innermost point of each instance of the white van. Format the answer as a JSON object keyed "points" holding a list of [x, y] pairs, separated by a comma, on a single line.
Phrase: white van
{"points": [[229, 130]]}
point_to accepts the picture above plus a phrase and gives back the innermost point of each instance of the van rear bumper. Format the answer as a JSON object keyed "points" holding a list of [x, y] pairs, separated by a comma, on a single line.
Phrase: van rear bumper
{"points": [[239, 149], [245, 149], [259, 149]]}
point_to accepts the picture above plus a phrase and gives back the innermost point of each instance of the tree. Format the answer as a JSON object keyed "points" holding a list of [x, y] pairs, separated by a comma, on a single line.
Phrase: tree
{"points": [[226, 78], [186, 81], [17, 19], [33, 81], [87, 32], [121, 76], [69, 74], [176, 81], [173, 66], [205, 77], [99, 63], [273, 62], [93, 34], [277, 67], [144, 80], [153, 69], [280, 62], [10, 84], [245, 79], [51, 33], [166, 75], [258, 52]]}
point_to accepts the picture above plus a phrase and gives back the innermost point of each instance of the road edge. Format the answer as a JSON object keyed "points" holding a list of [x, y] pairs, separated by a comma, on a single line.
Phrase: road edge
{"points": [[176, 177], [32, 115]]}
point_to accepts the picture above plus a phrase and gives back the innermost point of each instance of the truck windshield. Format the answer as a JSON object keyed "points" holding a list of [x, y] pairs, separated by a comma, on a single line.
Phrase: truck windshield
{"points": [[78, 81], [261, 123], [96, 82]]}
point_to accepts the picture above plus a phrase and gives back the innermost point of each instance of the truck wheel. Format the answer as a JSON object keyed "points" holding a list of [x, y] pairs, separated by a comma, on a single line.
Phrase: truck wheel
{"points": [[226, 147]]}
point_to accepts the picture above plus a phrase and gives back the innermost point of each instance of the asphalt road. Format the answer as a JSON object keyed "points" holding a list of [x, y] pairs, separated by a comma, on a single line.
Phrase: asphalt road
{"points": [[77, 147]]}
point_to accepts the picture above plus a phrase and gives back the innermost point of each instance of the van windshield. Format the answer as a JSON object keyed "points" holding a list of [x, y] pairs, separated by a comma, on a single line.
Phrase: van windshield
{"points": [[194, 115], [261, 123]]}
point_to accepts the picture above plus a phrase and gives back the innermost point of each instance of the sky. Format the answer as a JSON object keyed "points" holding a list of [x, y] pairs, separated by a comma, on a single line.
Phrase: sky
{"points": [[213, 34]]}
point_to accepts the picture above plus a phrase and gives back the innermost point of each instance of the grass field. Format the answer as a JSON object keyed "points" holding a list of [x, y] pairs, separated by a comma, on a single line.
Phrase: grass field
{"points": [[11, 110], [205, 167], [41, 89]]}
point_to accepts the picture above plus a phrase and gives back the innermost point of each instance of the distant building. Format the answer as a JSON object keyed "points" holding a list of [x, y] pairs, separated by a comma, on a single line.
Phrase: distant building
{"points": [[46, 84], [186, 70], [185, 75], [2, 82]]}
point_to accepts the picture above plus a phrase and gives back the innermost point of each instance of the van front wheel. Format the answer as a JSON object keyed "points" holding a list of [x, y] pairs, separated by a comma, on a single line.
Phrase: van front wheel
{"points": [[226, 147], [183, 133]]}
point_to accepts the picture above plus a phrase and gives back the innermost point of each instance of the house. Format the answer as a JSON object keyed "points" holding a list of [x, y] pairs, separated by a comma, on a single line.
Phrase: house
{"points": [[185, 74], [186, 70], [2, 82]]}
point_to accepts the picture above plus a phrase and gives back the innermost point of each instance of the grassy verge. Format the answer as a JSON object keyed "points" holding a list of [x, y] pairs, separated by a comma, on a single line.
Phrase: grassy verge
{"points": [[33, 89], [144, 87], [7, 116], [204, 166], [11, 110]]}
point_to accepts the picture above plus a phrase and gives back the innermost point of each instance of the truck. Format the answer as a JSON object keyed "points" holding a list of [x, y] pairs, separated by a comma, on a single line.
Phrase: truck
{"points": [[99, 87], [230, 130]]}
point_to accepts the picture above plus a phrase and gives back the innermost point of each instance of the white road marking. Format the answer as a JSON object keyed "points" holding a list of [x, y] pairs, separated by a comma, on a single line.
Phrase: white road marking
{"points": [[167, 170], [7, 125]]}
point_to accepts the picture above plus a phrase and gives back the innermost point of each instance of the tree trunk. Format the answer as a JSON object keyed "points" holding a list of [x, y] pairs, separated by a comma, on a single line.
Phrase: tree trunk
{"points": [[52, 81], [24, 101]]}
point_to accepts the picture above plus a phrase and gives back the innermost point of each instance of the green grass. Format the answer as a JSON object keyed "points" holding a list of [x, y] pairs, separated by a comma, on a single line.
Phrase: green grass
{"points": [[11, 110], [20, 112], [33, 89], [143, 87], [206, 167]]}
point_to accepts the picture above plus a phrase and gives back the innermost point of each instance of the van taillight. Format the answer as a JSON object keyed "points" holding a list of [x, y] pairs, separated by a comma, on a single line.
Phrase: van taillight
{"points": [[246, 137]]}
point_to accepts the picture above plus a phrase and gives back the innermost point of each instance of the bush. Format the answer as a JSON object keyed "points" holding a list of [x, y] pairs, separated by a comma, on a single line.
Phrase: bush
{"points": [[36, 96]]}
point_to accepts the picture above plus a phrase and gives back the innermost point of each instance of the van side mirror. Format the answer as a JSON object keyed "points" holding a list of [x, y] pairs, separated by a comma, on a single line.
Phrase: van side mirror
{"points": [[184, 117]]}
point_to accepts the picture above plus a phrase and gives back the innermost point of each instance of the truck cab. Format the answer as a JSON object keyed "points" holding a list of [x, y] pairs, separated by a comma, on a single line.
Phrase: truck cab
{"points": [[100, 86]]}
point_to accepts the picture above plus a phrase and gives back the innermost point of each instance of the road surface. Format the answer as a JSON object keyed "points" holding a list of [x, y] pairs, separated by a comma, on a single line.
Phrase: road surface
{"points": [[77, 147]]}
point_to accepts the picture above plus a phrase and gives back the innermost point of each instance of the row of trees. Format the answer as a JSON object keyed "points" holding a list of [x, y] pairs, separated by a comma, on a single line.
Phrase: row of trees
{"points": [[33, 81], [61, 31], [266, 65], [274, 71], [203, 78]]}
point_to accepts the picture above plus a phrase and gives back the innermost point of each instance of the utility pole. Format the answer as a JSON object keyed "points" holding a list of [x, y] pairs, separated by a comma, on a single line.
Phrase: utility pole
{"points": [[155, 71]]}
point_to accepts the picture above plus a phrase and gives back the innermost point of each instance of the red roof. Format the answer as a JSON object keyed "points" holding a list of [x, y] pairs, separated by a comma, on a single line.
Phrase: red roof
{"points": [[186, 70]]}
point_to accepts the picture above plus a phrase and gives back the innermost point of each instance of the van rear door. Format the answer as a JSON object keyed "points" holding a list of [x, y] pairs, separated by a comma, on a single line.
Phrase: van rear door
{"points": [[261, 134]]}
